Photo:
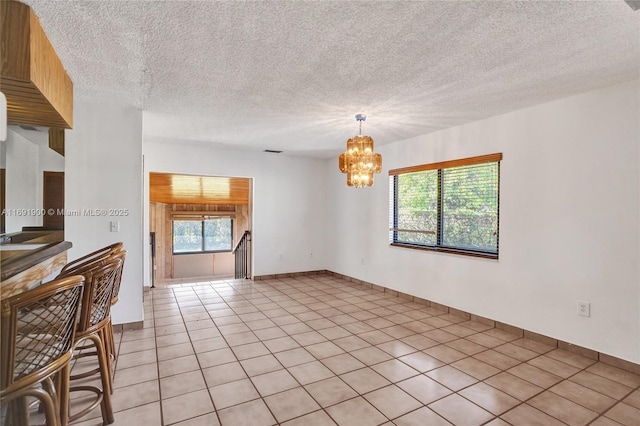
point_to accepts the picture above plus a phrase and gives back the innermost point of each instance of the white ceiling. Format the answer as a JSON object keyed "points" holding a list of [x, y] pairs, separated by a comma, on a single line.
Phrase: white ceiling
{"points": [[291, 75]]}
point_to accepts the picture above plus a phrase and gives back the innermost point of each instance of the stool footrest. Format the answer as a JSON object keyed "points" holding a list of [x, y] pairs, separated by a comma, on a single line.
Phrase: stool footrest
{"points": [[98, 401]]}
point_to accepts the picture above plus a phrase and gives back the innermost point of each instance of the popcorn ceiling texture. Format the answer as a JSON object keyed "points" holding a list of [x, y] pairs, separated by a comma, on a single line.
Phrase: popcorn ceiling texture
{"points": [[291, 75]]}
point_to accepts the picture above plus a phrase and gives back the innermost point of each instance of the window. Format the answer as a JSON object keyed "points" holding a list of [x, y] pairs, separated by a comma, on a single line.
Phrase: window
{"points": [[451, 206], [202, 236]]}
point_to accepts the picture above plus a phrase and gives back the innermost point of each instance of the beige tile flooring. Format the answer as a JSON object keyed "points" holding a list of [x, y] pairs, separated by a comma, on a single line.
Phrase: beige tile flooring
{"points": [[317, 350]]}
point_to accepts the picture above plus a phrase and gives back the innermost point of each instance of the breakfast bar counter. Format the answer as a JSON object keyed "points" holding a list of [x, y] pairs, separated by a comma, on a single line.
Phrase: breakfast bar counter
{"points": [[26, 258]]}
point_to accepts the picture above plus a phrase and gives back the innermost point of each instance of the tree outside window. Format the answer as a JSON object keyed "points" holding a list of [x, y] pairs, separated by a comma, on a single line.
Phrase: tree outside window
{"points": [[202, 236]]}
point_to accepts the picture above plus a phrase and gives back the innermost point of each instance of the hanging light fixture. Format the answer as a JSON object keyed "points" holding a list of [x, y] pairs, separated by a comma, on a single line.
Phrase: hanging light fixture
{"points": [[359, 161]]}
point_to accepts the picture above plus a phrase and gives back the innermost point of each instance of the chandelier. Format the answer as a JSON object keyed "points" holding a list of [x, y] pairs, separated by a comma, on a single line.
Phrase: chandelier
{"points": [[359, 161]]}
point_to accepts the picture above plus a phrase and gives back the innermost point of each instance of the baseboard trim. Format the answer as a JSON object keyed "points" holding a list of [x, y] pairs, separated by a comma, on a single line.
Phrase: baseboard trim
{"points": [[129, 326], [289, 275]]}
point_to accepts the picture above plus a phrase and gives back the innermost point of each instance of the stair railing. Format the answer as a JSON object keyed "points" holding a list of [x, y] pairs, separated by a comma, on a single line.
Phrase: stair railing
{"points": [[242, 256]]}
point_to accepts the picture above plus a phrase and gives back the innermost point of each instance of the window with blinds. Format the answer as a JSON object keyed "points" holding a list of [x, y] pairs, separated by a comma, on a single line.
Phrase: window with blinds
{"points": [[451, 206]]}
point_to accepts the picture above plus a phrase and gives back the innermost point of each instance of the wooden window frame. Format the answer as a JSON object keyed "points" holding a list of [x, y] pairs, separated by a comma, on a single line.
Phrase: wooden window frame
{"points": [[470, 161]]}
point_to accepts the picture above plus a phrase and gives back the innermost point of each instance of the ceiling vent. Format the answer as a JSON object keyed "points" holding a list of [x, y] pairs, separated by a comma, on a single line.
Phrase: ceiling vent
{"points": [[29, 128], [272, 151]]}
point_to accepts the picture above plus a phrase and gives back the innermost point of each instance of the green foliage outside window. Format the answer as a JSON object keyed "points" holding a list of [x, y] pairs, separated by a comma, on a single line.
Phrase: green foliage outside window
{"points": [[217, 234], [453, 208], [196, 236]]}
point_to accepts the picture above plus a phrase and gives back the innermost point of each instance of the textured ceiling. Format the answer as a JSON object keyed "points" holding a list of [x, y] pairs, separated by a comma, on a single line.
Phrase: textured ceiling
{"points": [[291, 75]]}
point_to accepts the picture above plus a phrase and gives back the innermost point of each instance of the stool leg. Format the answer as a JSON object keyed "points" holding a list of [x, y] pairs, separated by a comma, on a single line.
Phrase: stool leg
{"points": [[104, 336], [63, 394], [48, 401], [110, 350], [112, 342], [107, 409], [51, 389], [18, 412]]}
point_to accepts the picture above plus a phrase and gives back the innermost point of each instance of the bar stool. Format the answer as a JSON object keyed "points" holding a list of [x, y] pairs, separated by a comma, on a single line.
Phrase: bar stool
{"points": [[38, 329], [91, 258], [111, 344], [92, 326], [86, 264]]}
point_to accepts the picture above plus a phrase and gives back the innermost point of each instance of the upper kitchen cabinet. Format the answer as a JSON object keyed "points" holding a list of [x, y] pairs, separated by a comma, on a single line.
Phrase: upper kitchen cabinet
{"points": [[39, 92]]}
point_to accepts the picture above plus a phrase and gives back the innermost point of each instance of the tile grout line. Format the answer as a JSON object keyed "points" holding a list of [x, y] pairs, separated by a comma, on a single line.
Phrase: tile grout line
{"points": [[243, 321], [285, 369], [358, 394], [234, 354], [396, 358], [204, 379], [155, 344], [321, 408], [520, 362], [615, 404]]}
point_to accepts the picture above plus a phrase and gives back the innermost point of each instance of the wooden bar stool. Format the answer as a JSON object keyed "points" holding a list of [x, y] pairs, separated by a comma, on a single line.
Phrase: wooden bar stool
{"points": [[91, 258], [38, 330], [92, 327], [111, 344], [87, 264]]}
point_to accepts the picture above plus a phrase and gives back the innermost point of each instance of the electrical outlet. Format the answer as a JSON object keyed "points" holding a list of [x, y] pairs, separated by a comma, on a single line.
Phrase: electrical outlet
{"points": [[584, 308], [362, 260]]}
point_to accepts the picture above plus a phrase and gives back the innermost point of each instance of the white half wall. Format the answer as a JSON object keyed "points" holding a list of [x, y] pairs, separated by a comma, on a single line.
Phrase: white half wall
{"points": [[103, 171], [569, 222], [289, 200], [193, 265]]}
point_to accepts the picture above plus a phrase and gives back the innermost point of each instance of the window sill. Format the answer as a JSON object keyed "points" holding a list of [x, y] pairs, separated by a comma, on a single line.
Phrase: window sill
{"points": [[201, 252], [447, 250]]}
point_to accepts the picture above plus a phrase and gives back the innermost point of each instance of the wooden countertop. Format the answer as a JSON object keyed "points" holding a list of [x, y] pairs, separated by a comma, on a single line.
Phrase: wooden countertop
{"points": [[26, 258], [16, 261]]}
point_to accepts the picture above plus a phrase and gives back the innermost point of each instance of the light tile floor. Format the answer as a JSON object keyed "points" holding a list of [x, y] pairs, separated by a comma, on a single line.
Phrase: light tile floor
{"points": [[317, 350]]}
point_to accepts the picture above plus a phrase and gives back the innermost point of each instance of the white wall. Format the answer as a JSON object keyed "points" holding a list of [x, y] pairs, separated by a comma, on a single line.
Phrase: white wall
{"points": [[203, 265], [289, 200], [569, 222], [3, 153], [25, 161], [193, 265], [224, 264], [21, 182], [104, 171]]}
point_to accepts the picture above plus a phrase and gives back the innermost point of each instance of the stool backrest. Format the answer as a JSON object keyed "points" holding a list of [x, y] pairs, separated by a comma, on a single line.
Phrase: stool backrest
{"points": [[38, 329], [98, 291], [116, 286], [89, 259]]}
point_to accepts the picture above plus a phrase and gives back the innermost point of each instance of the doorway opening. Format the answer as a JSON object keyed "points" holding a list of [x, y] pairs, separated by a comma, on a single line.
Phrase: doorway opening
{"points": [[195, 224]]}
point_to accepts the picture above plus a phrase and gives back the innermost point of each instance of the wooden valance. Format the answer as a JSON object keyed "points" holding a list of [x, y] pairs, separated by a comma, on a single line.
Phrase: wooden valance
{"points": [[38, 89]]}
